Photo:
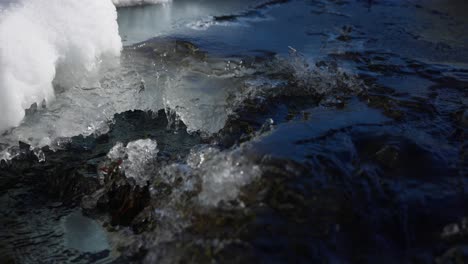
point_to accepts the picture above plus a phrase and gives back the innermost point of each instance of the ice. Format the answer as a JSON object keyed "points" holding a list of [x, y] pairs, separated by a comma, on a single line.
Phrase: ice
{"points": [[56, 41], [223, 174], [86, 110], [199, 100], [194, 88], [199, 89], [138, 159]]}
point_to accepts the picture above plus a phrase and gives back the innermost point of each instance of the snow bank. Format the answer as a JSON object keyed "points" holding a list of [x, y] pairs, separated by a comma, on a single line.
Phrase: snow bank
{"points": [[41, 42]]}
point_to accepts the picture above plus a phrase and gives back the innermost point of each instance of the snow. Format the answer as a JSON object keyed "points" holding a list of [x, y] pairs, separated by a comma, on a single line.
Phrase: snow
{"points": [[51, 43]]}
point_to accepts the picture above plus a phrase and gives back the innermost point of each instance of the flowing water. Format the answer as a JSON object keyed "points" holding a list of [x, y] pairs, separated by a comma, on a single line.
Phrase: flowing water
{"points": [[234, 131]]}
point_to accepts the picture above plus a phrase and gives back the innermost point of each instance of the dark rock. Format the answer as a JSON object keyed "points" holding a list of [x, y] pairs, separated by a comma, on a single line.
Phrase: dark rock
{"points": [[121, 197], [24, 147], [388, 156], [145, 221], [455, 255], [345, 33], [464, 118]]}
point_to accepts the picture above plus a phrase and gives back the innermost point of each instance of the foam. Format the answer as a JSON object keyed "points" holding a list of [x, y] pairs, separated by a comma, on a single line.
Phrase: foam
{"points": [[122, 3], [51, 43]]}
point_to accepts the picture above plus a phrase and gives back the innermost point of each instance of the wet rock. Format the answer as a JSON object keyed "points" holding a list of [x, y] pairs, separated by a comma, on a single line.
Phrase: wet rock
{"points": [[383, 68], [68, 185], [202, 251], [228, 223], [89, 202], [7, 259], [59, 176], [267, 126], [464, 119], [388, 105], [24, 147], [145, 221], [121, 198], [455, 255], [345, 34], [388, 156]]}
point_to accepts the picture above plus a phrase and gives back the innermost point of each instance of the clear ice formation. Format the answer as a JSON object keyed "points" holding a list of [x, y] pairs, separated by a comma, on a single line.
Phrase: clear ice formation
{"points": [[138, 159], [196, 93], [222, 174], [88, 88], [219, 174]]}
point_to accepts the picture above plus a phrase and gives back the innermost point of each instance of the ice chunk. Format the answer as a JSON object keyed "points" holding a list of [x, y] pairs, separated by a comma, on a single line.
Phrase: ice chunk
{"points": [[138, 159], [222, 174]]}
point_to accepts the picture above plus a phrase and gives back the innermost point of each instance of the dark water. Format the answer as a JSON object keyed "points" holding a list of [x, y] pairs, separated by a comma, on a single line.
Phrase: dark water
{"points": [[329, 132]]}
